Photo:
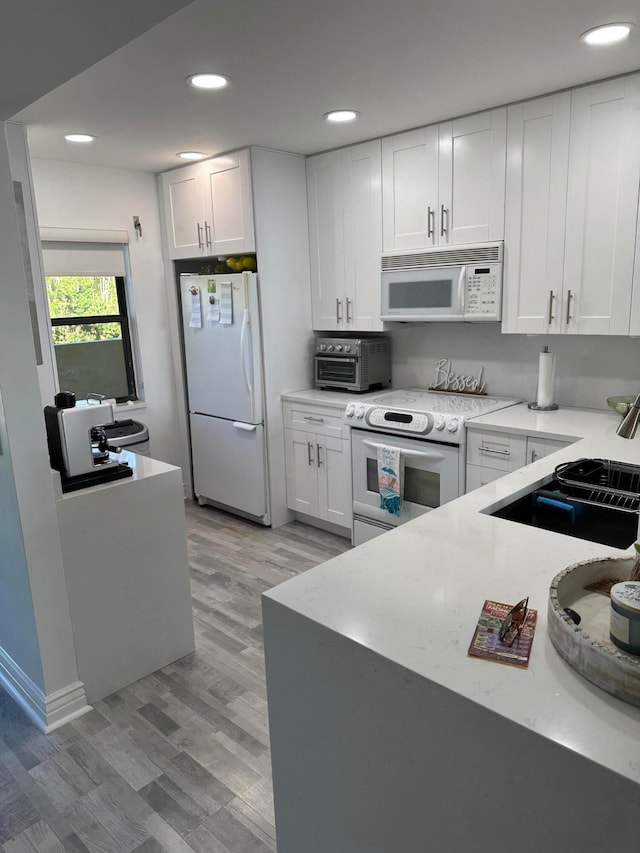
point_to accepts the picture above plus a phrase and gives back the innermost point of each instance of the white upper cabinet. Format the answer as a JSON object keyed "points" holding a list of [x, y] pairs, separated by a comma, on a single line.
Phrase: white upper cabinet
{"points": [[410, 189], [571, 210], [184, 211], [345, 238], [208, 207], [602, 206], [536, 202], [228, 203], [445, 184]]}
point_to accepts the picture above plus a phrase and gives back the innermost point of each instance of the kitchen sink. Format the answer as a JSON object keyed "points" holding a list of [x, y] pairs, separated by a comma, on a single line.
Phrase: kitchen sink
{"points": [[571, 518], [591, 499]]}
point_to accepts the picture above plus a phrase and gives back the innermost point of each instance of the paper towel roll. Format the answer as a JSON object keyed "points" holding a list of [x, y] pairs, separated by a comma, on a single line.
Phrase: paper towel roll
{"points": [[546, 365]]}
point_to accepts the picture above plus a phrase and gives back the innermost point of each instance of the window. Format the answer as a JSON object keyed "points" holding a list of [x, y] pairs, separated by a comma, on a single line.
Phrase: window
{"points": [[88, 290], [91, 336]]}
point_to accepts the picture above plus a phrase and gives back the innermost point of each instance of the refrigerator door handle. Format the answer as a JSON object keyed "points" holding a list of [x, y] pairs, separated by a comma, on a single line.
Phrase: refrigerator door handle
{"points": [[246, 355], [245, 427]]}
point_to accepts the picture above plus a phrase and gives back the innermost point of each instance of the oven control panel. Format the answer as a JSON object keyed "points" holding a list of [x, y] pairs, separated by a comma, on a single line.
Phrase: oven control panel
{"points": [[397, 421], [446, 428]]}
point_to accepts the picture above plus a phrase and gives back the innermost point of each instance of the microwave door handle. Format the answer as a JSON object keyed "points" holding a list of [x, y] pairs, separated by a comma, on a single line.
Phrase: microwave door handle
{"points": [[461, 290], [418, 454]]}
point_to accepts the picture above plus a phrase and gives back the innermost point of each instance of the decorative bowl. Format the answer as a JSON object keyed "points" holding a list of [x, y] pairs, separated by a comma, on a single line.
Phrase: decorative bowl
{"points": [[621, 405]]}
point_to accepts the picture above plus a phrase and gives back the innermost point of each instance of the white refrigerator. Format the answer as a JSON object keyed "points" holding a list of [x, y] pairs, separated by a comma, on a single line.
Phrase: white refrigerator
{"points": [[223, 365]]}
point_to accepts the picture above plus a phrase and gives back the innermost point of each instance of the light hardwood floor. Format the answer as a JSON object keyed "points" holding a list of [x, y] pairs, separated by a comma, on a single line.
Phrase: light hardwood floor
{"points": [[178, 761]]}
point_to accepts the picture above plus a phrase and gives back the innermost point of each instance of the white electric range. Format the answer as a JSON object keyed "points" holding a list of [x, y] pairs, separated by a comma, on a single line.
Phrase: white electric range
{"points": [[427, 428]]}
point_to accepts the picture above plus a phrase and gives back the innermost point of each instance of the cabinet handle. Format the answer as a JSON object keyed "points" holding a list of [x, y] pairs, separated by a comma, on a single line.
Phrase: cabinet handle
{"points": [[490, 450], [200, 243], [551, 298], [315, 420], [348, 310], [430, 222], [569, 298], [319, 457], [443, 212], [309, 453], [338, 314], [534, 456], [207, 234]]}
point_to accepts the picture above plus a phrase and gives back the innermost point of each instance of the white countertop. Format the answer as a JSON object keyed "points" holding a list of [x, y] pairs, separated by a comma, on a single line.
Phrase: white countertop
{"points": [[563, 423], [333, 399], [142, 467], [414, 596]]}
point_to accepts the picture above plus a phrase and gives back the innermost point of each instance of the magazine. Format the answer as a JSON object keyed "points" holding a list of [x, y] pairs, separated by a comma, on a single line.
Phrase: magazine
{"points": [[486, 643]]}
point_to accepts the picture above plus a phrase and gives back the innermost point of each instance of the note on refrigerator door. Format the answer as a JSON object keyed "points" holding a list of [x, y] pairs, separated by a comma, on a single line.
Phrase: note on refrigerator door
{"points": [[196, 309], [213, 314], [226, 303]]}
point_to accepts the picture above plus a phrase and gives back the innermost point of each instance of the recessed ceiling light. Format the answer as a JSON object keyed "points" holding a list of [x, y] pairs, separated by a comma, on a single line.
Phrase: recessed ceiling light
{"points": [[208, 81], [191, 155], [606, 34], [79, 137], [341, 115]]}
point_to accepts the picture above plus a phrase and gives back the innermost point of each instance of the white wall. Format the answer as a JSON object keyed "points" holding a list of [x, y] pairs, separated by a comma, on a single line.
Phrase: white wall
{"points": [[35, 626], [588, 369], [75, 196]]}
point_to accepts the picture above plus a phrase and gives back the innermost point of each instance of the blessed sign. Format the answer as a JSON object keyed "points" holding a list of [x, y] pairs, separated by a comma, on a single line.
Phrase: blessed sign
{"points": [[448, 380]]}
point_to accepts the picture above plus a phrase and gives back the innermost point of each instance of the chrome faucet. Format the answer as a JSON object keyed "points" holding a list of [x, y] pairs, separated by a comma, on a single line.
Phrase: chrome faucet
{"points": [[629, 425]]}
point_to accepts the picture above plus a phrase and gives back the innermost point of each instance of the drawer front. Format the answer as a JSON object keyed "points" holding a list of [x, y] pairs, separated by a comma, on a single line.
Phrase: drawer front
{"points": [[499, 451], [324, 421], [478, 476]]}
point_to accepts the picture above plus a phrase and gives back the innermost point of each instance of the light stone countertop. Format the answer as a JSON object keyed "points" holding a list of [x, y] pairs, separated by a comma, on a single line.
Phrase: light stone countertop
{"points": [[332, 399], [143, 467], [414, 596], [564, 423]]}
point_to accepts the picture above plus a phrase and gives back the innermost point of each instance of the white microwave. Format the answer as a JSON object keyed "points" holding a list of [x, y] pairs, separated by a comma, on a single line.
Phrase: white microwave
{"points": [[444, 284]]}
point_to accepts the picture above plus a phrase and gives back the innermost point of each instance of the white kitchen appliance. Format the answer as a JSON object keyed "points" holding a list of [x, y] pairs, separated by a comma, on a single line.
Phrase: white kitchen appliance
{"points": [[223, 366], [443, 284], [428, 430]]}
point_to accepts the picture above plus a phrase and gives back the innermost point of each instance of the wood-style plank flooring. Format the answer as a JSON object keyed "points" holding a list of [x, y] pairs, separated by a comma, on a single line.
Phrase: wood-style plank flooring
{"points": [[178, 761]]}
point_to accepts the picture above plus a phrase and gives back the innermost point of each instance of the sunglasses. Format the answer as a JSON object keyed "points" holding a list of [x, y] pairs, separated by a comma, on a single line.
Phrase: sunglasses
{"points": [[513, 622]]}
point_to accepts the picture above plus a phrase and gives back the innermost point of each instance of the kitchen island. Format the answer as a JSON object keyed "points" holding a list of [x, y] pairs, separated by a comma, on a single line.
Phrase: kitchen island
{"points": [[124, 547], [387, 737]]}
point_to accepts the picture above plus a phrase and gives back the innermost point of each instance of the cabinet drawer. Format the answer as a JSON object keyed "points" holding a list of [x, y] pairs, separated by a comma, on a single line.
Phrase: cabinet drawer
{"points": [[318, 419], [478, 476], [497, 450]]}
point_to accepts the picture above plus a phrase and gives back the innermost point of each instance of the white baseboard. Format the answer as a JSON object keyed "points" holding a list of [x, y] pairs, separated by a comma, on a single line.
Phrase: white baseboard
{"points": [[47, 711]]}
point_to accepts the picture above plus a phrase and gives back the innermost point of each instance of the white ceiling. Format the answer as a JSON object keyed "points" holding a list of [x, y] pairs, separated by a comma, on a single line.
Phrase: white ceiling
{"points": [[401, 63], [44, 43]]}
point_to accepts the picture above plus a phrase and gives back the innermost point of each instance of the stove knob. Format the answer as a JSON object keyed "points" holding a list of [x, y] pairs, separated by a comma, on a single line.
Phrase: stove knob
{"points": [[439, 422], [360, 412], [338, 347], [322, 347], [350, 411], [329, 347], [453, 424], [347, 347]]}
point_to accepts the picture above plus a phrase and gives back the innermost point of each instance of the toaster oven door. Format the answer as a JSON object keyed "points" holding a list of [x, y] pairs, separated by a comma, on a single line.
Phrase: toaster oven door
{"points": [[338, 372]]}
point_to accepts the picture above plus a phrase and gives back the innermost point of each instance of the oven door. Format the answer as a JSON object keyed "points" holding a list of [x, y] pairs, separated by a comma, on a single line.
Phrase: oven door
{"points": [[429, 476], [338, 372]]}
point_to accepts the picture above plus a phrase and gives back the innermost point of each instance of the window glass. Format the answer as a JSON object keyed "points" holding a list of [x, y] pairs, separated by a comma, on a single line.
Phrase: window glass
{"points": [[78, 296], [91, 337]]}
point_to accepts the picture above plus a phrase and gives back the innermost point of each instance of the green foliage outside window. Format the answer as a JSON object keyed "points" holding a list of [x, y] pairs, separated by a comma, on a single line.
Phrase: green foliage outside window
{"points": [[83, 296]]}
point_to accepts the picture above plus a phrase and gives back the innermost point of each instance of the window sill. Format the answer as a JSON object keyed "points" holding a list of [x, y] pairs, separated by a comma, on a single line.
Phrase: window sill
{"points": [[122, 408]]}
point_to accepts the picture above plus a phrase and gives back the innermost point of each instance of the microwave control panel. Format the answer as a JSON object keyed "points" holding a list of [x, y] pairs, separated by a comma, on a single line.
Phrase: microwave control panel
{"points": [[483, 292]]}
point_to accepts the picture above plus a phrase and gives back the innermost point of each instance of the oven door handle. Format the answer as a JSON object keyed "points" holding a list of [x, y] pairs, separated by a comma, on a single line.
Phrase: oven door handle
{"points": [[419, 454]]}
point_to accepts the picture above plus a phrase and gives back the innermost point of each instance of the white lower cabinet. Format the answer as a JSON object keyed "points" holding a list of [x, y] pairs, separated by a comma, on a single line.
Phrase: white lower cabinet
{"points": [[491, 455], [318, 463]]}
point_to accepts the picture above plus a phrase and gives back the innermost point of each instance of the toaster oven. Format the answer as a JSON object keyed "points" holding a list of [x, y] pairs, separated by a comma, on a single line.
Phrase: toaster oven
{"points": [[352, 364]]}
